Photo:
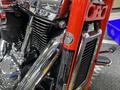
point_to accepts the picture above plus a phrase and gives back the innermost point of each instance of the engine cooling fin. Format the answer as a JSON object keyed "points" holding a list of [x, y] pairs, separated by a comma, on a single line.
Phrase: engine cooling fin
{"points": [[40, 32]]}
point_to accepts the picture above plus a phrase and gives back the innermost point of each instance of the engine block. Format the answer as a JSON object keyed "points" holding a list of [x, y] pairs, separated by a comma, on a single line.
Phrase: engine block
{"points": [[9, 70]]}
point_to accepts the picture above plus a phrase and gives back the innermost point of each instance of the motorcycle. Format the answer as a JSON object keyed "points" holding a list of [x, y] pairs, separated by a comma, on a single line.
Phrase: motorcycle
{"points": [[48, 45]]}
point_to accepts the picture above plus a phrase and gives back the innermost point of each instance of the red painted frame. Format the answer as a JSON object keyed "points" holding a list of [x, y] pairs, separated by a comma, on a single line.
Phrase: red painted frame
{"points": [[79, 13]]}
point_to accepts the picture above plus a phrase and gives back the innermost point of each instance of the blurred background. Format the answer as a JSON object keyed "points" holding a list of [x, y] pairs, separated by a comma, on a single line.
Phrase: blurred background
{"points": [[116, 4]]}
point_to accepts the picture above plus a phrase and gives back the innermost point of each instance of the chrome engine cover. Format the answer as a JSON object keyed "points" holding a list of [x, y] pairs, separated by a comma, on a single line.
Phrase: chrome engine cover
{"points": [[9, 71]]}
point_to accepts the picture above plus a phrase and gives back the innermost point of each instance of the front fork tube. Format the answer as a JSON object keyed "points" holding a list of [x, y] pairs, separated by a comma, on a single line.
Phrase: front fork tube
{"points": [[64, 71]]}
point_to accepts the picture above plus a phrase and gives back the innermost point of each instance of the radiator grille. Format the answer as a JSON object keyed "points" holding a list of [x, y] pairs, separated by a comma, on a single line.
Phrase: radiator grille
{"points": [[85, 62], [40, 30]]}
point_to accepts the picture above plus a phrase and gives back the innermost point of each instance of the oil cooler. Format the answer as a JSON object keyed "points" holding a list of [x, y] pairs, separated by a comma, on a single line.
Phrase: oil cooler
{"points": [[86, 53]]}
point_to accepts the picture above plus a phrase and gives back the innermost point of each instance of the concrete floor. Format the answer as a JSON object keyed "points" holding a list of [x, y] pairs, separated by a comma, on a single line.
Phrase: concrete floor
{"points": [[108, 78]]}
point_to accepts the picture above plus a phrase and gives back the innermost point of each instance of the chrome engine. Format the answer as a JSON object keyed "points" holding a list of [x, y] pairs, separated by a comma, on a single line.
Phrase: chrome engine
{"points": [[9, 70], [31, 46]]}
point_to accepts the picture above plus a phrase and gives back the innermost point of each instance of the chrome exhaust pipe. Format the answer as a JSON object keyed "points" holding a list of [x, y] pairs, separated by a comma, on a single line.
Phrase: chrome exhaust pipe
{"points": [[42, 65]]}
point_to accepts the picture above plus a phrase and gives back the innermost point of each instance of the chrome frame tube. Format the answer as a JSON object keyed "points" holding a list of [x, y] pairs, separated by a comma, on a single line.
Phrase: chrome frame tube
{"points": [[3, 47], [42, 65]]}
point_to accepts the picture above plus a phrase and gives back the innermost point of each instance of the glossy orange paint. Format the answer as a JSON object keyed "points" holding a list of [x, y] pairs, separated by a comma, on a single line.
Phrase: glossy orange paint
{"points": [[76, 21], [96, 12]]}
